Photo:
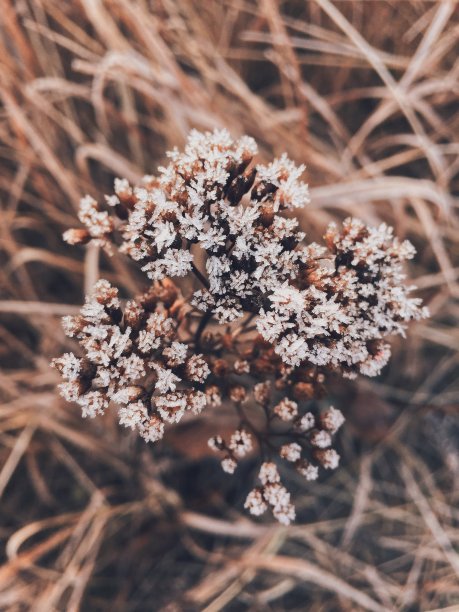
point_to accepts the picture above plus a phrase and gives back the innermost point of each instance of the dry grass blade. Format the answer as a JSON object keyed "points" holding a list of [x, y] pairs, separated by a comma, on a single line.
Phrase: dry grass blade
{"points": [[430, 519], [305, 571], [366, 94]]}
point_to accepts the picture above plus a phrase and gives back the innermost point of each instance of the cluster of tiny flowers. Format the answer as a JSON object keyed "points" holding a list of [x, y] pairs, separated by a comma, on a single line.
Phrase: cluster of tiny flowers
{"points": [[239, 446], [295, 432], [271, 494], [267, 316], [132, 358], [208, 197], [350, 297]]}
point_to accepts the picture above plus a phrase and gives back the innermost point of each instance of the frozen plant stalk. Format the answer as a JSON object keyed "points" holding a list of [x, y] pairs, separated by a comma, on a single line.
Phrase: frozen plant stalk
{"points": [[270, 315]]}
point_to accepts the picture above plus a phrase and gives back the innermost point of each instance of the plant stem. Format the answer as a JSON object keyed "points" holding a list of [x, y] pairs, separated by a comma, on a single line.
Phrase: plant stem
{"points": [[202, 279], [199, 330]]}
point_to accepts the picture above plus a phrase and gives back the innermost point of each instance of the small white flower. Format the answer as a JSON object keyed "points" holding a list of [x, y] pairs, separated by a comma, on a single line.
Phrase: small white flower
{"points": [[241, 443], [332, 419], [268, 473], [167, 380], [328, 458], [255, 503], [320, 438], [133, 415], [229, 465], [307, 422], [286, 409], [309, 471], [175, 353], [290, 452], [92, 404]]}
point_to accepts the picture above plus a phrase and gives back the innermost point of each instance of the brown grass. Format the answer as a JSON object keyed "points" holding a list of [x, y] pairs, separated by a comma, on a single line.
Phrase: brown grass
{"points": [[366, 94]]}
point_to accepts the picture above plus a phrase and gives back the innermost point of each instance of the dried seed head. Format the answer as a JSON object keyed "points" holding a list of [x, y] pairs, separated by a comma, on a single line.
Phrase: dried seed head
{"points": [[229, 465], [268, 472], [329, 458], [175, 354], [262, 393], [133, 415], [76, 236], [285, 514], [255, 503], [153, 430], [220, 367], [303, 391], [306, 469], [197, 369], [286, 410], [216, 443], [134, 314], [241, 443], [238, 394], [306, 422], [320, 438], [332, 419], [214, 397], [119, 358], [290, 452], [241, 366]]}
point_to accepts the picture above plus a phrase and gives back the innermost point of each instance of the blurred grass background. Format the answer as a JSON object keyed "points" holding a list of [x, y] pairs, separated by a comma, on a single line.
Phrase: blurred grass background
{"points": [[366, 94]]}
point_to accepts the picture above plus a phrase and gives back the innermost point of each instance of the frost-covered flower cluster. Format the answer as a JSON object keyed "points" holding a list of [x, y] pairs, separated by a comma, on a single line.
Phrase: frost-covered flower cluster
{"points": [[133, 358], [349, 299], [305, 444], [195, 206], [268, 316]]}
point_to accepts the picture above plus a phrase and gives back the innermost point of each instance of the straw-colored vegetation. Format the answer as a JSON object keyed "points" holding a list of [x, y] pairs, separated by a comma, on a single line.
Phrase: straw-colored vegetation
{"points": [[364, 93]]}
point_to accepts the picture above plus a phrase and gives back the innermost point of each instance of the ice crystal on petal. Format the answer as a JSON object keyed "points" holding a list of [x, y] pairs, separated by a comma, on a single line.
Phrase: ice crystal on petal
{"points": [[167, 380], [68, 365]]}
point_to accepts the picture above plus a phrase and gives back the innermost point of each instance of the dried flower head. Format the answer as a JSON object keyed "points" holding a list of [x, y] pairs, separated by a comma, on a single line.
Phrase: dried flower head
{"points": [[133, 359], [268, 316]]}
